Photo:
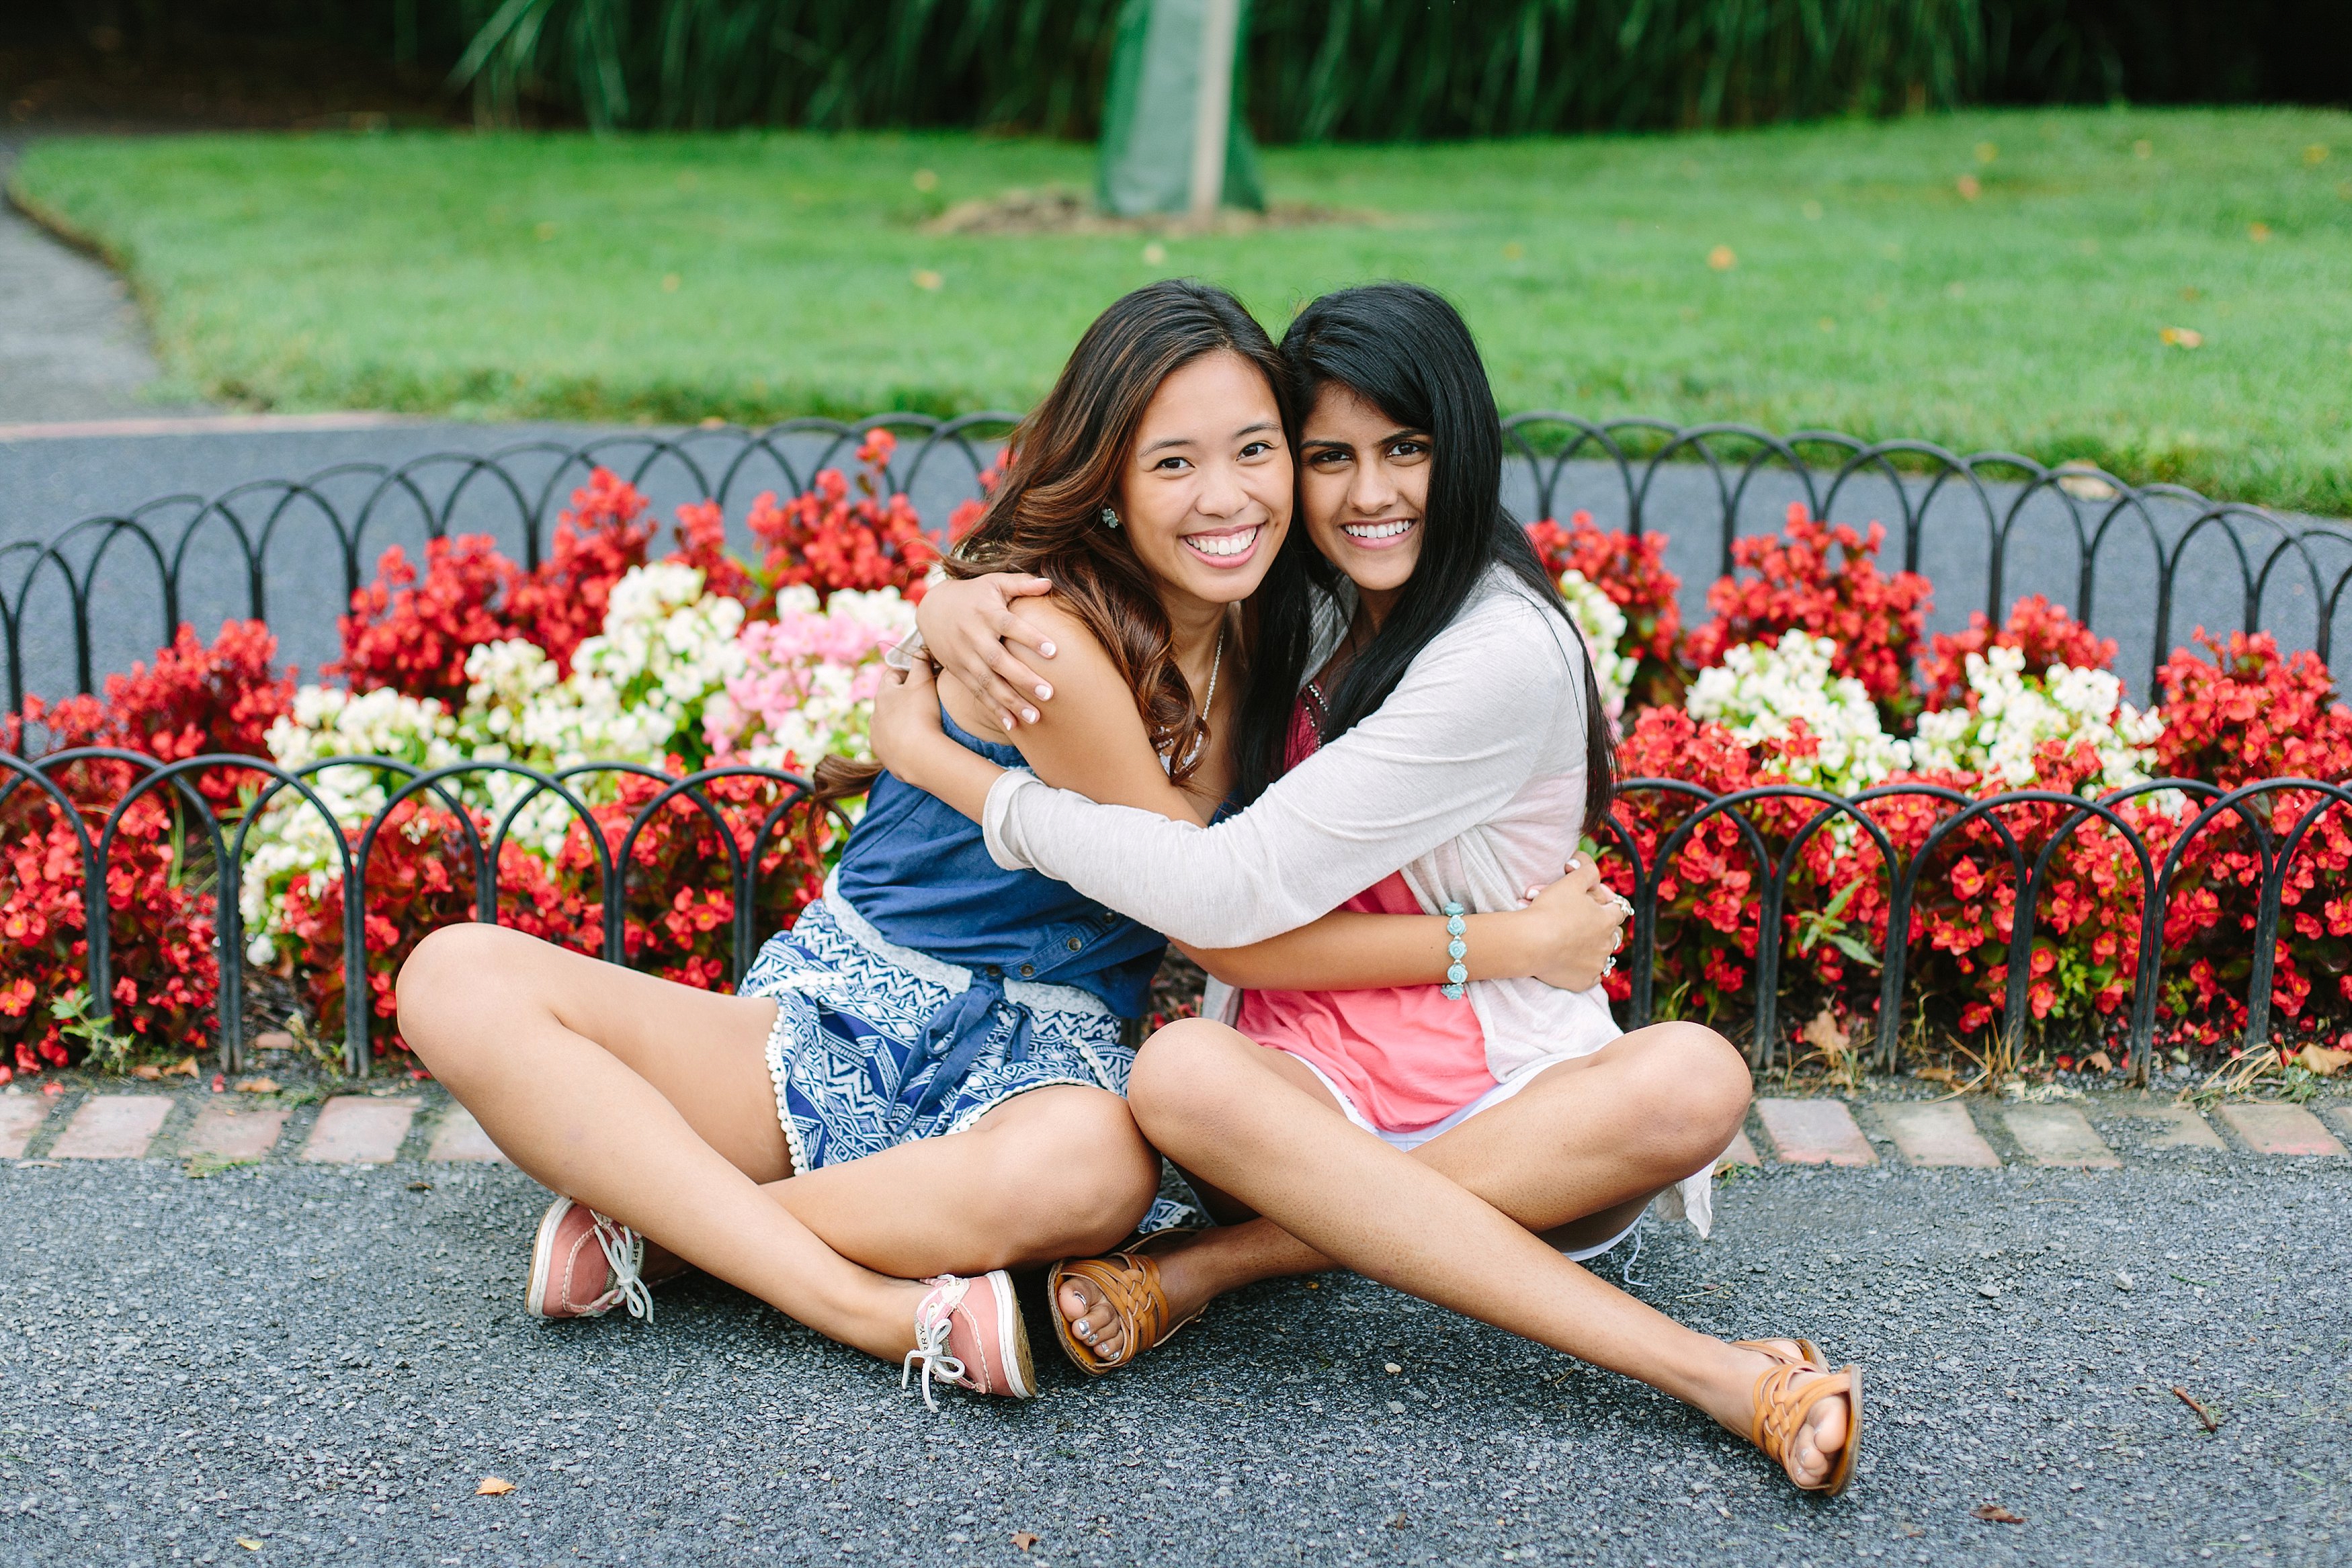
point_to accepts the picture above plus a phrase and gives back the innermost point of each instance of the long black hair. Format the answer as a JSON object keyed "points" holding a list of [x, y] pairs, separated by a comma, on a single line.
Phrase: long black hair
{"points": [[1406, 351]]}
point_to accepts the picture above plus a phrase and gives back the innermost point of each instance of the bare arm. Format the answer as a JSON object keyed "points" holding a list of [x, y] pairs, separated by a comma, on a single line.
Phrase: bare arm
{"points": [[1091, 741], [1488, 707], [970, 626], [1563, 937]]}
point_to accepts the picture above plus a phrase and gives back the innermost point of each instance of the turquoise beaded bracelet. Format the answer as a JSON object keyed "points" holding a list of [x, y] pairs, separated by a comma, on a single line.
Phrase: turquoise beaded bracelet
{"points": [[1457, 949]]}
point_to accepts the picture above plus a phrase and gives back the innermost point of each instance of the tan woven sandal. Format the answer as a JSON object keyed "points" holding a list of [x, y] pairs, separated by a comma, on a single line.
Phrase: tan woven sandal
{"points": [[1781, 1409], [1772, 1347], [1127, 1282]]}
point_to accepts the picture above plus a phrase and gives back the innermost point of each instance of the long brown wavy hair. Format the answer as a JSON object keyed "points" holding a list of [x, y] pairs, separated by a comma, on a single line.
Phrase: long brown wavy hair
{"points": [[1045, 516]]}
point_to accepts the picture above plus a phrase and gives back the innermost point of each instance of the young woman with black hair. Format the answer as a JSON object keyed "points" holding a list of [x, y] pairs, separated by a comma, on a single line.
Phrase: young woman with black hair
{"points": [[1421, 732], [918, 1086]]}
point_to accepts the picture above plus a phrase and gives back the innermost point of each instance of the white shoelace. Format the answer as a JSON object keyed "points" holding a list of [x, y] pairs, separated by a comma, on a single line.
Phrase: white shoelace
{"points": [[624, 1255], [932, 1323]]}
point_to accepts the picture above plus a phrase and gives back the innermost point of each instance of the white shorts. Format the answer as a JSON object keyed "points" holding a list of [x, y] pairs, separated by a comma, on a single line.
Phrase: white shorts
{"points": [[1409, 1141]]}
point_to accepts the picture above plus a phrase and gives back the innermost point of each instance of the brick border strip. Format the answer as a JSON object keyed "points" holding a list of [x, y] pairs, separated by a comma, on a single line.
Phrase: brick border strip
{"points": [[425, 1126]]}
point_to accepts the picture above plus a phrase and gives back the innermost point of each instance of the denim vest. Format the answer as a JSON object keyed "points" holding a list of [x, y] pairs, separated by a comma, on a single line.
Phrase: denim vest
{"points": [[918, 870]]}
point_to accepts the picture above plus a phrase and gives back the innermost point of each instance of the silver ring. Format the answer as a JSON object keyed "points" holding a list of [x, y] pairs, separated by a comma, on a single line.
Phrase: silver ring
{"points": [[1609, 966]]}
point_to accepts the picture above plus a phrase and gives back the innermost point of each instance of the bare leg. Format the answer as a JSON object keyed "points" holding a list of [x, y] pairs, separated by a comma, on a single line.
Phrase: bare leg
{"points": [[1574, 1156], [650, 1102], [1047, 1174], [1205, 1095]]}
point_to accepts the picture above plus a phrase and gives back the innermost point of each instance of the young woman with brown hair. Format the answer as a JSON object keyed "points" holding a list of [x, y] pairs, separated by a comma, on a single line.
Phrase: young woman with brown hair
{"points": [[921, 1080]]}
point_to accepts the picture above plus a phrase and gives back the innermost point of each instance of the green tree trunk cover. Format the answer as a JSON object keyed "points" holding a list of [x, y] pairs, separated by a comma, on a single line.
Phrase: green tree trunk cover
{"points": [[1146, 163]]}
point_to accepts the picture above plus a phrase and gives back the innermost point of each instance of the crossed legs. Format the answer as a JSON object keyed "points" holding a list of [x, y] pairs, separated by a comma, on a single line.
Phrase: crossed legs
{"points": [[1467, 1221], [650, 1102]]}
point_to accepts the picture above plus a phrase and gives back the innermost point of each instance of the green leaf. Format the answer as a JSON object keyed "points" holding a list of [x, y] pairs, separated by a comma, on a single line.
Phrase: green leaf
{"points": [[1855, 950]]}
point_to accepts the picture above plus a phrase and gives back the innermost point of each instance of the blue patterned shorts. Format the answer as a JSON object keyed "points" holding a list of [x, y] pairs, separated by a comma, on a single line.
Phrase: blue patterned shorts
{"points": [[847, 1051]]}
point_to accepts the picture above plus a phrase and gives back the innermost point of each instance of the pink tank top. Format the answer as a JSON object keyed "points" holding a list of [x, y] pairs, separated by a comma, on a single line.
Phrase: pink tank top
{"points": [[1407, 1055]]}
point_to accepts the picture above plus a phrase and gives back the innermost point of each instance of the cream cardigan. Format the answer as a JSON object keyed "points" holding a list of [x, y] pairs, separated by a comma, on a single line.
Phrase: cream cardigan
{"points": [[1470, 777]]}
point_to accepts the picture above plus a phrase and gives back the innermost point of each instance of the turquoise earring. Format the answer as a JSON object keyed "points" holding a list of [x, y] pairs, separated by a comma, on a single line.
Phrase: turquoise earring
{"points": [[1110, 519]]}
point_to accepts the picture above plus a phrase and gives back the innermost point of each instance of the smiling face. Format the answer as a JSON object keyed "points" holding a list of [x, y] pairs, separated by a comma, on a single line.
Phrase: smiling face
{"points": [[1364, 491], [1206, 495]]}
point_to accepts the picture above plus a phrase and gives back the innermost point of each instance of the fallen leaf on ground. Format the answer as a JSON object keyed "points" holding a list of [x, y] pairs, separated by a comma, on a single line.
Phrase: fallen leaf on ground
{"points": [[1399, 1523], [1023, 1540], [273, 1039], [2100, 1060], [249, 1543], [2324, 1062], [258, 1086], [1993, 1513], [184, 1068], [147, 1071], [1824, 1034], [494, 1486], [2204, 1415], [1936, 1075]]}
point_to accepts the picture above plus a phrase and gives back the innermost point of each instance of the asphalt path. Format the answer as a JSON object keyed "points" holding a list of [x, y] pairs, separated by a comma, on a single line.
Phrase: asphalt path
{"points": [[71, 343], [296, 1364]]}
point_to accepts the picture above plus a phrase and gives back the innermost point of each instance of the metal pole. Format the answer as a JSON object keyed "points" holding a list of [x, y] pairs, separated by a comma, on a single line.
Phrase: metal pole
{"points": [[1212, 110]]}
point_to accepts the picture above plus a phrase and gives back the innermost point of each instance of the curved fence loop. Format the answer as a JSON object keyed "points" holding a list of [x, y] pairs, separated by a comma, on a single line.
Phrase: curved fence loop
{"points": [[1765, 1048], [98, 904], [229, 883], [743, 864], [2141, 1043], [358, 1001], [689, 788], [1641, 958], [1728, 806], [2264, 939], [2271, 912]]}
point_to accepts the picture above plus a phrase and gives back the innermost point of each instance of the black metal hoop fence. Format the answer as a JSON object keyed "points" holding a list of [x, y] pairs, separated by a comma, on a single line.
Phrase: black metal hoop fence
{"points": [[1621, 471], [2137, 563], [222, 846]]}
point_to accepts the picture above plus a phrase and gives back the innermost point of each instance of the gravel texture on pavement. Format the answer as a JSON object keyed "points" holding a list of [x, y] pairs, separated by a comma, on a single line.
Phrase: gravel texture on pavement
{"points": [[295, 1363]]}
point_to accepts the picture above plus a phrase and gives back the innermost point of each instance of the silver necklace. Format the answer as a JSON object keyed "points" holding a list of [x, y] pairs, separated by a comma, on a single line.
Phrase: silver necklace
{"points": [[1216, 661]]}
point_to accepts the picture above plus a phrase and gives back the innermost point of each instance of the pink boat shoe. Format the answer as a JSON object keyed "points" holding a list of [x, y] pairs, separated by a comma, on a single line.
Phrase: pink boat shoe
{"points": [[582, 1265], [970, 1332]]}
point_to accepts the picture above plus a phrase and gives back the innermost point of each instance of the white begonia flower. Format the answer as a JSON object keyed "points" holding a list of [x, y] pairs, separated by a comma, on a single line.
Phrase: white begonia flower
{"points": [[636, 692], [1760, 688], [2015, 713], [290, 838], [654, 680], [1596, 615]]}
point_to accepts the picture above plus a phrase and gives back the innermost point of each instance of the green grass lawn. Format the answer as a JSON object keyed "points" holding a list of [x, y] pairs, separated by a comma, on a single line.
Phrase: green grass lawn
{"points": [[755, 276]]}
